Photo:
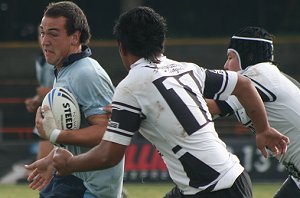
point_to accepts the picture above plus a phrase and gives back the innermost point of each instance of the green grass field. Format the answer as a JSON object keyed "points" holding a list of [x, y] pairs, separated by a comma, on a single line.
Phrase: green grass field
{"points": [[140, 190]]}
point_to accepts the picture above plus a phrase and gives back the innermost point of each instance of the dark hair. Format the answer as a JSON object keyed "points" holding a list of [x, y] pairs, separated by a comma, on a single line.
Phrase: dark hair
{"points": [[75, 18], [142, 32], [253, 44]]}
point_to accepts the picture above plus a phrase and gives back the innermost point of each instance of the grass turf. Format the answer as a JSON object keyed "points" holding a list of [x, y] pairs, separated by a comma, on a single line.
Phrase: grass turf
{"points": [[135, 190]]}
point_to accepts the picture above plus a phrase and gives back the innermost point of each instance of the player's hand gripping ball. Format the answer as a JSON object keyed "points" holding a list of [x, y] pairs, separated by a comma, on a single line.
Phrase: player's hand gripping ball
{"points": [[64, 107]]}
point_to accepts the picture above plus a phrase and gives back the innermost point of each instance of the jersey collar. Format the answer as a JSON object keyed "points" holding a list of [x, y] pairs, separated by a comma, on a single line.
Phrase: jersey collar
{"points": [[86, 52], [144, 62]]}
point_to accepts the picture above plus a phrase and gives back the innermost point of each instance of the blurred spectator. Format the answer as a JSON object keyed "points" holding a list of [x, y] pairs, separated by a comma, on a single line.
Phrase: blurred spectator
{"points": [[45, 78]]}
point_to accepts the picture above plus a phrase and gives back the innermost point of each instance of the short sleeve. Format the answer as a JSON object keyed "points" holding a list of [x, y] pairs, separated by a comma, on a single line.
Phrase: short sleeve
{"points": [[219, 84]]}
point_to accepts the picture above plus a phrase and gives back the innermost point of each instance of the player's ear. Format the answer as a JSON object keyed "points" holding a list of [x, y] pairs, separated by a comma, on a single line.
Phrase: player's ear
{"points": [[75, 38]]}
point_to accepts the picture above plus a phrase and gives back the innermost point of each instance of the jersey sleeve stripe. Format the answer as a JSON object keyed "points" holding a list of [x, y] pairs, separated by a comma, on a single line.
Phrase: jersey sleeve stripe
{"points": [[215, 84], [117, 138], [122, 106], [224, 85], [120, 132]]}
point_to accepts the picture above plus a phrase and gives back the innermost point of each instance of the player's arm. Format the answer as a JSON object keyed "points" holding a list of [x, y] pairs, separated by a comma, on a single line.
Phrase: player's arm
{"points": [[219, 108], [219, 85], [213, 107], [89, 136], [126, 117], [250, 99], [102, 156], [41, 172], [266, 136]]}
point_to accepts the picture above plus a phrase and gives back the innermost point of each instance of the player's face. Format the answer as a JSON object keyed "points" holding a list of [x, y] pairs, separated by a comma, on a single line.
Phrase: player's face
{"points": [[55, 42], [232, 62]]}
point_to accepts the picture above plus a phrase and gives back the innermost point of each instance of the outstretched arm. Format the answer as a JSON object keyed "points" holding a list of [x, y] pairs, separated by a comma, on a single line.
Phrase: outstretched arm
{"points": [[105, 155], [41, 172]]}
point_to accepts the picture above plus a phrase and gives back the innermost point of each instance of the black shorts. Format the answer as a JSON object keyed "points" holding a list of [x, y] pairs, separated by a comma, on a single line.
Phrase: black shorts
{"points": [[64, 187], [289, 189], [241, 188]]}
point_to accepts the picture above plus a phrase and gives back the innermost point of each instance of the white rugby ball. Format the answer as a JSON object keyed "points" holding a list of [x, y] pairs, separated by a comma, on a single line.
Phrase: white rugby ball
{"points": [[64, 107]]}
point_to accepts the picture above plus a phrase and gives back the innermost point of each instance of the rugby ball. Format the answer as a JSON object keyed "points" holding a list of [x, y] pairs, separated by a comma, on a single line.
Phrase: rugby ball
{"points": [[64, 107]]}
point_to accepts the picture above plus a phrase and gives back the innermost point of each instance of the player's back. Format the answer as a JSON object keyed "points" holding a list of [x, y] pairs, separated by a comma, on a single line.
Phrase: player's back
{"points": [[172, 99], [177, 121]]}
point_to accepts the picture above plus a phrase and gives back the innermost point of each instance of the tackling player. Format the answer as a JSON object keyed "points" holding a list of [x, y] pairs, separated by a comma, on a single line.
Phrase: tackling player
{"points": [[164, 100], [250, 53]]}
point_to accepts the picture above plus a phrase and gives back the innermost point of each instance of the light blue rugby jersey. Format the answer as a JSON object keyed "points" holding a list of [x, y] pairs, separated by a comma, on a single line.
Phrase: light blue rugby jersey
{"points": [[93, 89]]}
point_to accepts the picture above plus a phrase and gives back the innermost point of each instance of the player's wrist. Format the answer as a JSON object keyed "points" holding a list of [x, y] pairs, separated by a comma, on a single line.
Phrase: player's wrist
{"points": [[54, 135]]}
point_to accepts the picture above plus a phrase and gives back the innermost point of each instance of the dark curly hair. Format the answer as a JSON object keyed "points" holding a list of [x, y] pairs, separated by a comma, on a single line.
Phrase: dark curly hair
{"points": [[76, 19], [253, 44], [142, 32]]}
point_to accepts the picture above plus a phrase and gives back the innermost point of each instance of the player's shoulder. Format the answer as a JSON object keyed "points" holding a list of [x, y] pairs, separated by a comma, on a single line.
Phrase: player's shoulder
{"points": [[87, 69], [263, 72], [86, 62], [191, 65], [134, 79], [262, 68]]}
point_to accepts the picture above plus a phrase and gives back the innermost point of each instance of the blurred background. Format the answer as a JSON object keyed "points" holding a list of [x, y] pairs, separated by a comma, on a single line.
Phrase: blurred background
{"points": [[192, 18], [198, 31]]}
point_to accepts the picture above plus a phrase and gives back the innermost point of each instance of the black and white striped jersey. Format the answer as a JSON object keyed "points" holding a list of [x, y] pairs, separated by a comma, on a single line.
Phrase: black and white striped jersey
{"points": [[165, 103]]}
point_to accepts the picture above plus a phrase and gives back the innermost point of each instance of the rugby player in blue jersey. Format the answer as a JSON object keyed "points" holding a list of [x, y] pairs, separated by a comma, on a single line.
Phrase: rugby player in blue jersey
{"points": [[65, 34]]}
